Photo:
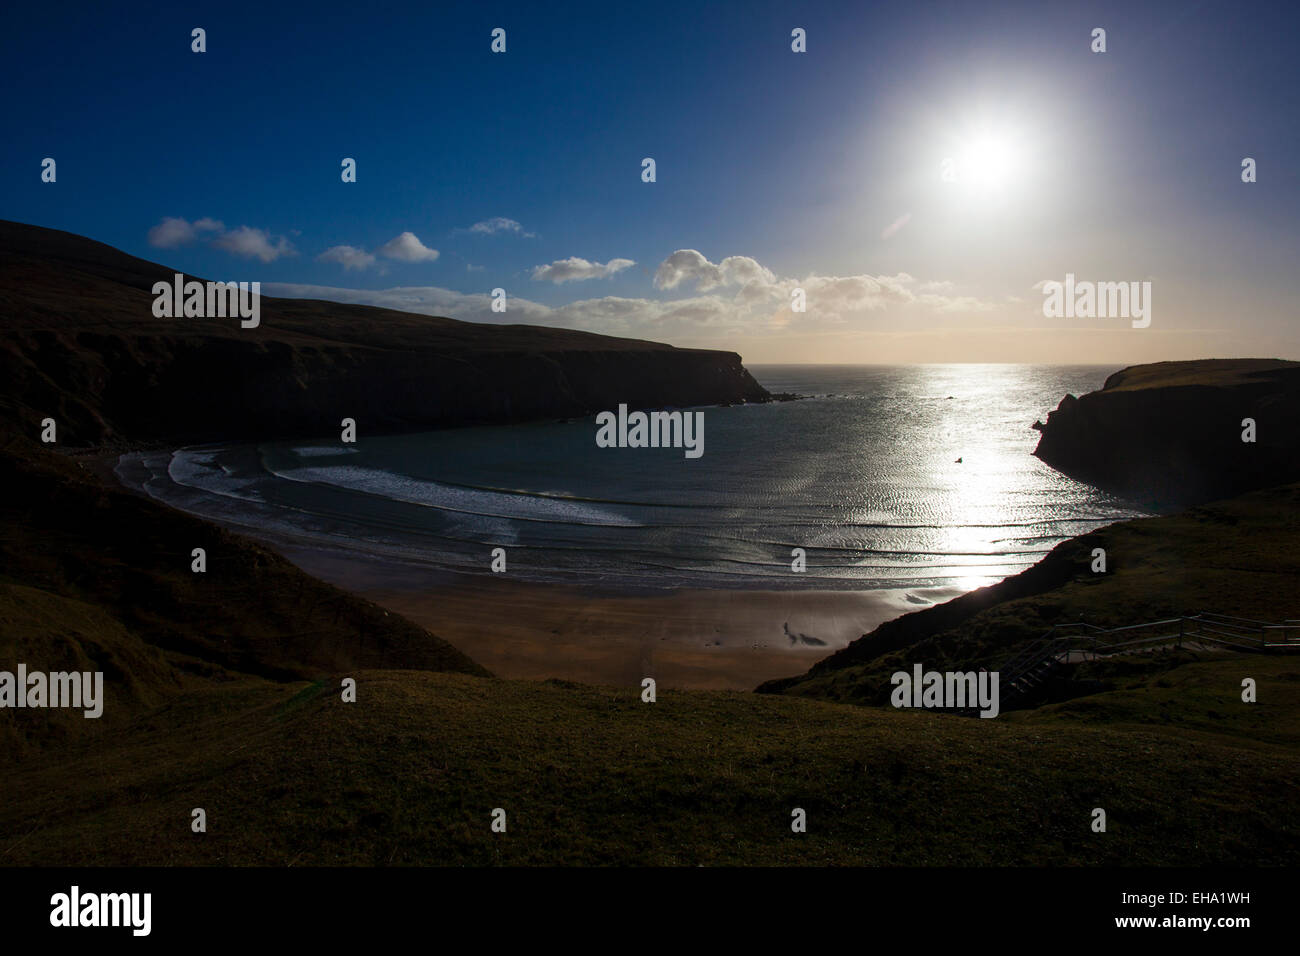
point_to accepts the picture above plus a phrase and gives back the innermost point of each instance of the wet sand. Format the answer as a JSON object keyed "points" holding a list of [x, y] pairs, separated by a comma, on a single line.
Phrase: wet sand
{"points": [[684, 639]]}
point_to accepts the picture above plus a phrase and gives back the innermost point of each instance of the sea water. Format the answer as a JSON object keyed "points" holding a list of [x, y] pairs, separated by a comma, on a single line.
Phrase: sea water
{"points": [[884, 477]]}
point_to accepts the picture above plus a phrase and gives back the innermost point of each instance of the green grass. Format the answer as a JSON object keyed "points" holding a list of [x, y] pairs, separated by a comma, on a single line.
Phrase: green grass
{"points": [[1205, 373], [1203, 697], [290, 775]]}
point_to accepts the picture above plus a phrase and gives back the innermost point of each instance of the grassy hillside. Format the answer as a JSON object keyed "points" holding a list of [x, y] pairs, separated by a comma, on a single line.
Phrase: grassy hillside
{"points": [[409, 774], [1239, 557], [1205, 373], [90, 573]]}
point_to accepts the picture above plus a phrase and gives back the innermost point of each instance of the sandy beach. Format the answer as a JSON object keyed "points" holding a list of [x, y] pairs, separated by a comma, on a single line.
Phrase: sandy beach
{"points": [[684, 639]]}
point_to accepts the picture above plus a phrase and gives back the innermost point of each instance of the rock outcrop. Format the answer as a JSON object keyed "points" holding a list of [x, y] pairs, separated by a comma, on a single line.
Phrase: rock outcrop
{"points": [[1170, 434]]}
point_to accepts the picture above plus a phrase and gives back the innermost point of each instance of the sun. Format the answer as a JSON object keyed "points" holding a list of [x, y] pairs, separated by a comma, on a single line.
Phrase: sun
{"points": [[990, 163]]}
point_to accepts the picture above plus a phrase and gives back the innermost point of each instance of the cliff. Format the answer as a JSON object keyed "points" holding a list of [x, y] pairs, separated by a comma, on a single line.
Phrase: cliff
{"points": [[82, 346], [1170, 434]]}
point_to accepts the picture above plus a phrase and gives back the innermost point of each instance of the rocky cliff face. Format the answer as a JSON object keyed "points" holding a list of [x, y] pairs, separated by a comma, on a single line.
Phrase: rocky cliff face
{"points": [[82, 346], [1170, 434]]}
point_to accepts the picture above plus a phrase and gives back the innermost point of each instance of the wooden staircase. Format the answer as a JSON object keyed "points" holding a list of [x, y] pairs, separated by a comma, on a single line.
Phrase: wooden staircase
{"points": [[1026, 673]]}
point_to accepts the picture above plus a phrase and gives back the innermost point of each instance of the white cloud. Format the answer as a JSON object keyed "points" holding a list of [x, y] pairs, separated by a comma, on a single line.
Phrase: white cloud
{"points": [[250, 243], [174, 231], [407, 248], [832, 299], [575, 269], [954, 303], [349, 257], [490, 227], [838, 295], [688, 265], [245, 241]]}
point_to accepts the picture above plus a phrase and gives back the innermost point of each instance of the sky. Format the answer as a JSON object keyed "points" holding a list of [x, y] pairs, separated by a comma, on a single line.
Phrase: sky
{"points": [[918, 173]]}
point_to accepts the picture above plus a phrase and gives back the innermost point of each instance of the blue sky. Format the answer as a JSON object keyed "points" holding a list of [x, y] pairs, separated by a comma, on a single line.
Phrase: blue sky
{"points": [[1119, 166]]}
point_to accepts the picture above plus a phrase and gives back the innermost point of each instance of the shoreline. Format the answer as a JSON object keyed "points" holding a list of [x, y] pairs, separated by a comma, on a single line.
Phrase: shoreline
{"points": [[686, 639]]}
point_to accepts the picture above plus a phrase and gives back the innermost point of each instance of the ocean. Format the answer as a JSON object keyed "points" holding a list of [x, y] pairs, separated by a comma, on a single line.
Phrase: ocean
{"points": [[885, 477]]}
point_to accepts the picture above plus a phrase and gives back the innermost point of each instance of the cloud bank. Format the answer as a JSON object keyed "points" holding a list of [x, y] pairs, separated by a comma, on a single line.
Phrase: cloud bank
{"points": [[574, 269], [246, 242], [249, 243], [742, 297], [349, 257], [173, 231]]}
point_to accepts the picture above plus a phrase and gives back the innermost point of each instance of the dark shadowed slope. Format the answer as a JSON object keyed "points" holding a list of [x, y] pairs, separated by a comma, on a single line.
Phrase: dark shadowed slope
{"points": [[93, 575], [82, 346], [291, 776]]}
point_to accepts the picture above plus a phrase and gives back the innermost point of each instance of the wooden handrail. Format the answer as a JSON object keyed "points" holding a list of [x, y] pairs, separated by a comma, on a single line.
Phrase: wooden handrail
{"points": [[1208, 626]]}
